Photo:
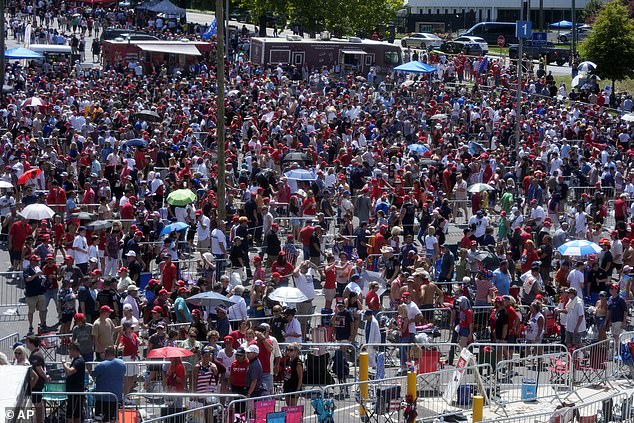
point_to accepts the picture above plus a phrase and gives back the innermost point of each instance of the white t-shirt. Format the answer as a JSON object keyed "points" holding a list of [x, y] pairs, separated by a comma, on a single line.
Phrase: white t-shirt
{"points": [[293, 327], [481, 225], [203, 233], [576, 280], [218, 238], [81, 257], [304, 283], [412, 312], [580, 222], [226, 360], [430, 242], [538, 213], [575, 310]]}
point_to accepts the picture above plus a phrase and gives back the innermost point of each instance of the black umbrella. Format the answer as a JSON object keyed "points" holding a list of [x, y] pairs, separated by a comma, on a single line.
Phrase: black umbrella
{"points": [[83, 216], [296, 156], [488, 259], [98, 225], [148, 115]]}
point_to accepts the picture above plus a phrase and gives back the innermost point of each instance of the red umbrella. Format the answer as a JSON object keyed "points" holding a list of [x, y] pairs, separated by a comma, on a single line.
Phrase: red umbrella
{"points": [[29, 174], [169, 352], [33, 102]]}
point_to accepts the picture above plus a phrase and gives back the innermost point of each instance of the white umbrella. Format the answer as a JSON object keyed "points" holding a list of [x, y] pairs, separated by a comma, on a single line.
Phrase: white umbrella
{"points": [[577, 80], [288, 294], [5, 184], [579, 248], [408, 83], [586, 67], [33, 102], [37, 212], [439, 116], [480, 187], [627, 118]]}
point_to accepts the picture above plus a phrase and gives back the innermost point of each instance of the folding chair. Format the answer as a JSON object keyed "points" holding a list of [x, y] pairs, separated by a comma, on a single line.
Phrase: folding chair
{"points": [[54, 404], [428, 363], [276, 417], [263, 409], [324, 409], [294, 413], [381, 404]]}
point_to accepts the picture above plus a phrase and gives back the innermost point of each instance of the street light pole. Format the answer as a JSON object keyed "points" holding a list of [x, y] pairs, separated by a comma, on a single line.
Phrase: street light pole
{"points": [[574, 29], [518, 94], [2, 58], [220, 114]]}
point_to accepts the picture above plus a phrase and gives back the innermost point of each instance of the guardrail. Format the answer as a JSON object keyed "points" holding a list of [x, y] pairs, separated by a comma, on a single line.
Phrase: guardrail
{"points": [[60, 405], [7, 343], [12, 302], [594, 364], [259, 409]]}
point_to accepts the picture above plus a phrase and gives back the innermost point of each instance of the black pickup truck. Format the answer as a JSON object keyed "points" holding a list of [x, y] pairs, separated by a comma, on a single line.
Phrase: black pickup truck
{"points": [[536, 51]]}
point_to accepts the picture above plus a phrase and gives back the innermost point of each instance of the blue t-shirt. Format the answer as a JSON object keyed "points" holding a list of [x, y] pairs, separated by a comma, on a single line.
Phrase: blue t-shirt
{"points": [[502, 282], [108, 377], [180, 308], [616, 309]]}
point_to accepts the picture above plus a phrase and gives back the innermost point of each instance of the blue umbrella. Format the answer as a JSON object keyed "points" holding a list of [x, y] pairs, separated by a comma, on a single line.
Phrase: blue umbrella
{"points": [[174, 227], [418, 148], [301, 175], [22, 53], [561, 24], [136, 142], [416, 67], [579, 248]]}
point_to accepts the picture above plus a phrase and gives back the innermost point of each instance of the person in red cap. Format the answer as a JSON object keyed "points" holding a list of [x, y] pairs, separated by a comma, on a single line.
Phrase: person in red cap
{"points": [[169, 272], [103, 330], [82, 334]]}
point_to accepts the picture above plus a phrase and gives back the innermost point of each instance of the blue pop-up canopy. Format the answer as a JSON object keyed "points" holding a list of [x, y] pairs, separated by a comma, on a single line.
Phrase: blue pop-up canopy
{"points": [[21, 53], [415, 67]]}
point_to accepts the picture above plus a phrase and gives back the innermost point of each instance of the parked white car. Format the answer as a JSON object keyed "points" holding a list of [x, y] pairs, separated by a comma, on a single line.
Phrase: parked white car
{"points": [[421, 40], [475, 40]]}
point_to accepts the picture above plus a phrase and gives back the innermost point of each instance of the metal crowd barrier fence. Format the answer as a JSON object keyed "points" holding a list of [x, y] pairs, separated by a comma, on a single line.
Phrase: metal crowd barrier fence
{"points": [[172, 406], [594, 364], [320, 355], [616, 408], [7, 343], [432, 386], [84, 406], [12, 302], [422, 357], [385, 397], [624, 355], [260, 409], [492, 352], [531, 377]]}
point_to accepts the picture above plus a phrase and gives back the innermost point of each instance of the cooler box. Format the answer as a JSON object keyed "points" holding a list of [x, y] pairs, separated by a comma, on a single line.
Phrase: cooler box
{"points": [[529, 389], [464, 395]]}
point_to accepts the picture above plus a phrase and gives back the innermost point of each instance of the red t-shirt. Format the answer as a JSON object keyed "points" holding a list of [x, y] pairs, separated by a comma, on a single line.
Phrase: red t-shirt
{"points": [[178, 371], [169, 276], [19, 231], [372, 301], [127, 211], [513, 317], [238, 338], [285, 270], [305, 234], [265, 356], [130, 345], [50, 271], [331, 279], [238, 373]]}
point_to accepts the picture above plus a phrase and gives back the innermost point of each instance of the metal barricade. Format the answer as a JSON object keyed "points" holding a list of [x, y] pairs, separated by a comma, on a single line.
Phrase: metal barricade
{"points": [[385, 398], [314, 354], [171, 406], [481, 322], [594, 364], [12, 302], [7, 343], [615, 408], [491, 352], [532, 377], [257, 409], [84, 406], [431, 387], [422, 357]]}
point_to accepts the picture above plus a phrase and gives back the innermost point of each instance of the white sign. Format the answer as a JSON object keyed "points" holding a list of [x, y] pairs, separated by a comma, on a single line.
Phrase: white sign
{"points": [[452, 386]]}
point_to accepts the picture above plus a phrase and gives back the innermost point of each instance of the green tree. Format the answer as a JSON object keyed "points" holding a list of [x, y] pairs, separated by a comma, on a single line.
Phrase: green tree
{"points": [[589, 13], [610, 45], [263, 11]]}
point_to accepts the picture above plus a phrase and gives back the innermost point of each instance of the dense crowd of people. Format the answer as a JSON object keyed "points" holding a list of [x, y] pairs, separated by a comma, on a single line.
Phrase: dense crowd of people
{"points": [[418, 197]]}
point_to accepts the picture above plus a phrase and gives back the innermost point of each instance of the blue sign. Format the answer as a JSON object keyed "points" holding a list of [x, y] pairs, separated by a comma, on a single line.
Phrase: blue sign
{"points": [[540, 38], [523, 29]]}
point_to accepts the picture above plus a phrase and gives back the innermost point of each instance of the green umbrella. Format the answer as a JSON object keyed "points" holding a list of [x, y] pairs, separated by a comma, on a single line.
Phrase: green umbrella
{"points": [[181, 197]]}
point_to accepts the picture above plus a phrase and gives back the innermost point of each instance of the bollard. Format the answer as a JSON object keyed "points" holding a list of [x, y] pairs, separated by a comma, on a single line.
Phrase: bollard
{"points": [[363, 377], [411, 385], [478, 405]]}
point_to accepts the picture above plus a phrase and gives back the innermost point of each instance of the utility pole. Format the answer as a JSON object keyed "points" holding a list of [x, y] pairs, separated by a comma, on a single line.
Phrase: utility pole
{"points": [[227, 29], [541, 15], [220, 114], [574, 30], [518, 94]]}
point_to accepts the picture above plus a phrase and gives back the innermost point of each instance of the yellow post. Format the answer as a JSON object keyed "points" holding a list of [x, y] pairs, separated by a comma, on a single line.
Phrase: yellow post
{"points": [[411, 385], [363, 377], [478, 405]]}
